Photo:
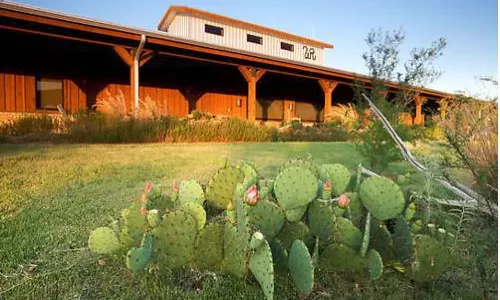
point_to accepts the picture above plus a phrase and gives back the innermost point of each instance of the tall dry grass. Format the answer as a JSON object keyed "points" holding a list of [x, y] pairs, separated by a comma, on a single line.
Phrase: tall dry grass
{"points": [[471, 129]]}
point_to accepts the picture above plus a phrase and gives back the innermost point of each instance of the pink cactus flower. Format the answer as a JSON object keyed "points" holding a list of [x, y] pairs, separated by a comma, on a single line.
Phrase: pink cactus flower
{"points": [[148, 187], [252, 195], [343, 201], [175, 187], [327, 186], [144, 211]]}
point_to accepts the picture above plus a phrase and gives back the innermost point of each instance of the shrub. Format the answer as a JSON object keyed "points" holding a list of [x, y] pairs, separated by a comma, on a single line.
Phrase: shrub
{"points": [[29, 125], [324, 132], [222, 130]]}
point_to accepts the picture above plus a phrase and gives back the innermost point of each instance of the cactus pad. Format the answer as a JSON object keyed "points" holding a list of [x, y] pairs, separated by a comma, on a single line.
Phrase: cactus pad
{"points": [[293, 231], [295, 187], [249, 172], [135, 224], [197, 212], [235, 249], [267, 217], [340, 258], [339, 177], [382, 197], [190, 191], [138, 258], [209, 246], [380, 239], [321, 220], [153, 217], [357, 209], [220, 189], [295, 214], [402, 240], [103, 240], [280, 255], [303, 163], [174, 239], [301, 267], [261, 264], [348, 234], [429, 260], [375, 264]]}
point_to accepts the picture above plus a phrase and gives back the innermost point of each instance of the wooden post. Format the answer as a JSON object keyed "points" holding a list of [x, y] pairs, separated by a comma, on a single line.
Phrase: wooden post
{"points": [[327, 86], [128, 58], [288, 110], [443, 107], [252, 76], [418, 111]]}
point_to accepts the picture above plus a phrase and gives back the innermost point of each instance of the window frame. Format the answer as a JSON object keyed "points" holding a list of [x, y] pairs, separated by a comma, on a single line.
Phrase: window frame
{"points": [[257, 39], [38, 99], [287, 46], [212, 29]]}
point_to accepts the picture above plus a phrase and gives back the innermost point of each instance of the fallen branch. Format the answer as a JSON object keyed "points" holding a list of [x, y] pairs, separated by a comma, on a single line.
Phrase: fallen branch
{"points": [[470, 197]]}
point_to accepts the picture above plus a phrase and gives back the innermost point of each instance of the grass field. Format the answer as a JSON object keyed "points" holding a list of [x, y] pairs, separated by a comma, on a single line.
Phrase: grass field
{"points": [[52, 196]]}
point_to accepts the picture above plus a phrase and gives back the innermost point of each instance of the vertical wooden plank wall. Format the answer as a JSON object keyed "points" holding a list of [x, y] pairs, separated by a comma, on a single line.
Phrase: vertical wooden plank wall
{"points": [[74, 94], [17, 93]]}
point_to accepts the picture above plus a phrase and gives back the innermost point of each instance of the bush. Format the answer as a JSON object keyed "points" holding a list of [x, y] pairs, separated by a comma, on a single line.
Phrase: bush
{"points": [[29, 125], [223, 130], [324, 132]]}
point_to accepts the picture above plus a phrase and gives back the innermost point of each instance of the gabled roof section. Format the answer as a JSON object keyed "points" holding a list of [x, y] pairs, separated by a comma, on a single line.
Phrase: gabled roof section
{"points": [[175, 10]]}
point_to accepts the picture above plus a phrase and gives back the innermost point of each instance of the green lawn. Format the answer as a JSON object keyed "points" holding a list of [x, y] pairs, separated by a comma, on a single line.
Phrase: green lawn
{"points": [[52, 196]]}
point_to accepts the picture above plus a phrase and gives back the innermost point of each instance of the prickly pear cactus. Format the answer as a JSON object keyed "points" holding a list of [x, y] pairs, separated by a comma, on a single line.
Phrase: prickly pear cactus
{"points": [[138, 258], [348, 234], [249, 172], [209, 246], [381, 240], [339, 177], [236, 246], [267, 217], [295, 187], [303, 163], [103, 240], [321, 220], [242, 218], [357, 209], [402, 240], [375, 264], [295, 214], [220, 189], [174, 239], [292, 231], [301, 267], [429, 259], [340, 258], [190, 191], [382, 197], [197, 212], [261, 264], [153, 218], [280, 255], [135, 224]]}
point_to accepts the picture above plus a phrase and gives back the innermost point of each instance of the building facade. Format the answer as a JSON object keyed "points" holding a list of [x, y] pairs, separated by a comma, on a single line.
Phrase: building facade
{"points": [[195, 60]]}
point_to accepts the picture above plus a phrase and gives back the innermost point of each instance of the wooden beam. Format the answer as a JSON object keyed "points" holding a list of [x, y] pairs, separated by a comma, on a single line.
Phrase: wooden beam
{"points": [[251, 75], [124, 55], [328, 87], [443, 107], [145, 57]]}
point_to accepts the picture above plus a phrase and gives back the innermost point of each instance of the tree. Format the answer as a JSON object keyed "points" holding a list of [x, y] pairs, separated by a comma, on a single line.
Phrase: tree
{"points": [[383, 62]]}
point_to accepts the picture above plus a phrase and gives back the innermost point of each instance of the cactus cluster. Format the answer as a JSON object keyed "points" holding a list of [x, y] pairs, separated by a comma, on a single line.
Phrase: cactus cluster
{"points": [[301, 222]]}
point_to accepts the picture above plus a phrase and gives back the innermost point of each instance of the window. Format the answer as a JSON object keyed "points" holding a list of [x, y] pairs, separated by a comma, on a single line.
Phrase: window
{"points": [[49, 93], [286, 46], [214, 30], [254, 39]]}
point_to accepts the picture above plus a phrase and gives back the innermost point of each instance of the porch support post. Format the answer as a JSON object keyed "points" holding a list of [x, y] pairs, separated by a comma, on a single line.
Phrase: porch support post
{"points": [[443, 107], [134, 59], [252, 76], [327, 86], [418, 110]]}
